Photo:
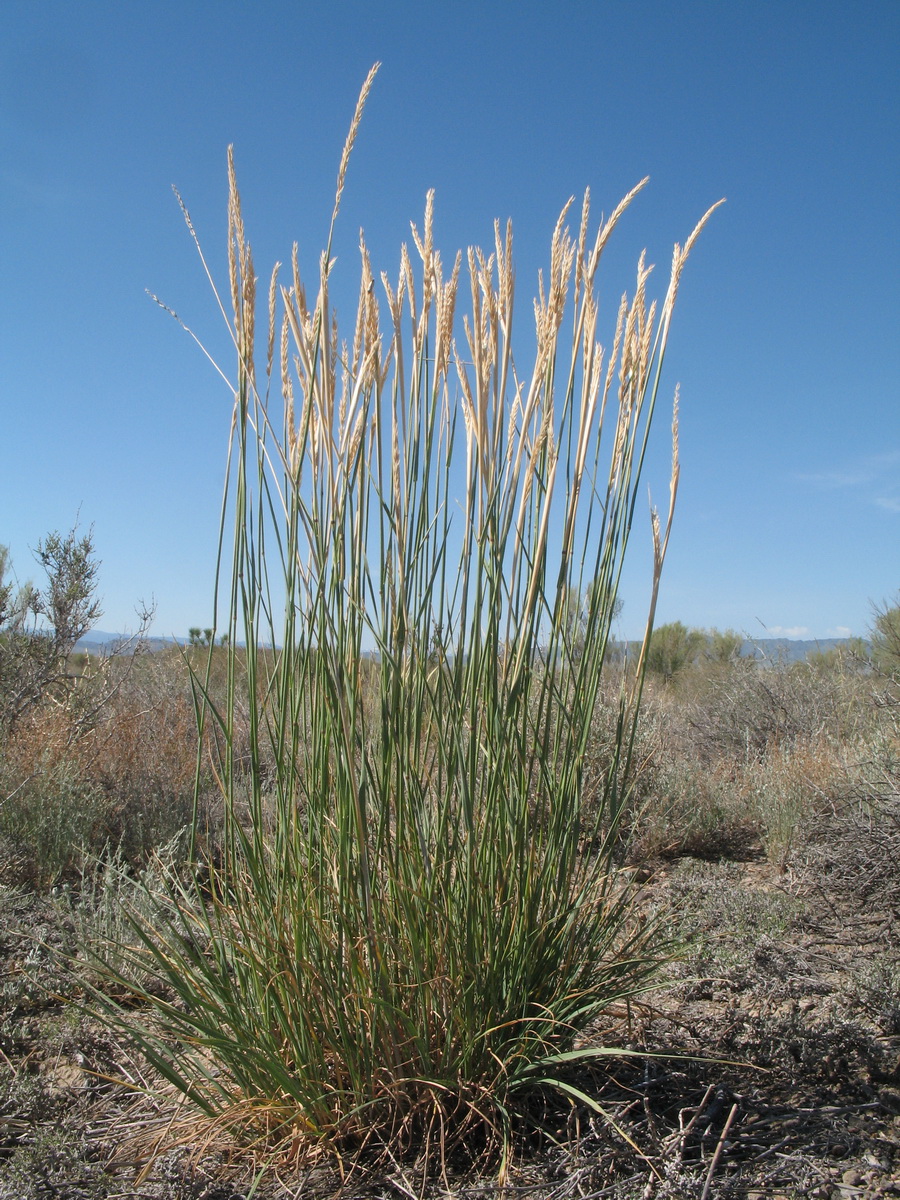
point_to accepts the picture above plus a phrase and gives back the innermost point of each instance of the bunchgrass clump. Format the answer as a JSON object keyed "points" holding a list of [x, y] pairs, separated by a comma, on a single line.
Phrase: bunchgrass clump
{"points": [[410, 922]]}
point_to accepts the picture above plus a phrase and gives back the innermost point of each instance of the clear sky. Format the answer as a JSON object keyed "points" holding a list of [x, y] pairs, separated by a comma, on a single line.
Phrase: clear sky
{"points": [[785, 340]]}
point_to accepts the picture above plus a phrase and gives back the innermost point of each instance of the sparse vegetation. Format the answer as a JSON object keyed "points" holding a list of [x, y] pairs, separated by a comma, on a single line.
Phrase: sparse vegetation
{"points": [[773, 856]]}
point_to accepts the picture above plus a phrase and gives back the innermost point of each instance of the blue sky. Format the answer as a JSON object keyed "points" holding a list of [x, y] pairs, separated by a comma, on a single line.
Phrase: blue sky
{"points": [[785, 340]]}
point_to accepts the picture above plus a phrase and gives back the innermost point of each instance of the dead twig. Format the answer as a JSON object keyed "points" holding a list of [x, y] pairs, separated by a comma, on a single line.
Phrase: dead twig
{"points": [[718, 1153]]}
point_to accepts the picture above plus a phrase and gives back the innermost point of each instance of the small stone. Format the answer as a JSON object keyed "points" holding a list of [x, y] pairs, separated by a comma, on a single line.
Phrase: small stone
{"points": [[852, 1176]]}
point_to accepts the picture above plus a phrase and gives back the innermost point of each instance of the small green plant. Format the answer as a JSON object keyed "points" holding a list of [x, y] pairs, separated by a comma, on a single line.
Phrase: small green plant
{"points": [[406, 931]]}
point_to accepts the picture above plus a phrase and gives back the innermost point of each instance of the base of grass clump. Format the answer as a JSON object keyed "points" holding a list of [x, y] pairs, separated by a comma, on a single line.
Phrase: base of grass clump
{"points": [[327, 1061]]}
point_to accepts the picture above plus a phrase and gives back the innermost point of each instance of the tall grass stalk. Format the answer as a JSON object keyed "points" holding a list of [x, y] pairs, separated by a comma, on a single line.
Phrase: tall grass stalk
{"points": [[412, 919]]}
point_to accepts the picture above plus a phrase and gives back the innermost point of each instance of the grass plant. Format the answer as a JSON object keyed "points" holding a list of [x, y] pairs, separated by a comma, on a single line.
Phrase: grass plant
{"points": [[410, 924]]}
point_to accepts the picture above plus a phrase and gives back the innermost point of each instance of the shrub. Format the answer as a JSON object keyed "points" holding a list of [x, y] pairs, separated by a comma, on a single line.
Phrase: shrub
{"points": [[405, 934], [672, 648], [723, 646], [114, 766], [53, 811], [750, 709], [55, 806], [886, 640], [39, 629], [144, 755], [794, 784], [852, 656]]}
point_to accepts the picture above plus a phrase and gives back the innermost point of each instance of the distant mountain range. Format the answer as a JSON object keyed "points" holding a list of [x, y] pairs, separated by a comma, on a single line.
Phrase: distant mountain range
{"points": [[763, 649], [99, 642], [786, 650]]}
